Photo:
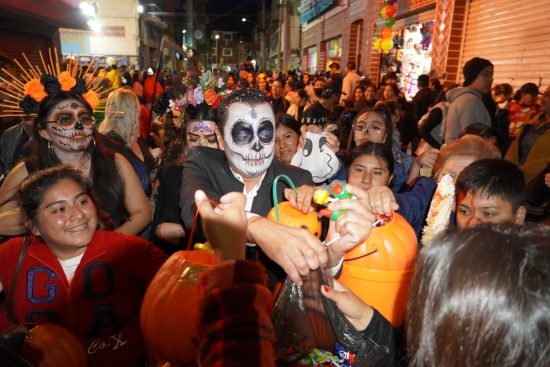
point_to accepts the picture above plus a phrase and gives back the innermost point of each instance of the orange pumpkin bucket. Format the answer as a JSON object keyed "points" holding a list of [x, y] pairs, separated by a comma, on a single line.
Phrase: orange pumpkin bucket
{"points": [[379, 270], [285, 214]]}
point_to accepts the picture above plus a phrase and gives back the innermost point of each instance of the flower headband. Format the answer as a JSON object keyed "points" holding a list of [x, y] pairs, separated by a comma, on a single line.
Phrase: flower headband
{"points": [[207, 90], [35, 84]]}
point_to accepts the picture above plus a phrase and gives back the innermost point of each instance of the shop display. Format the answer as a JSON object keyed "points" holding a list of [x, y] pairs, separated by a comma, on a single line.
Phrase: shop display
{"points": [[384, 31]]}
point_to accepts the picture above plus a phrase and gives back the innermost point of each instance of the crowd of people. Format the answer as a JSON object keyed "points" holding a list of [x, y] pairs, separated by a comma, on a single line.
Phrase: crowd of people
{"points": [[92, 204]]}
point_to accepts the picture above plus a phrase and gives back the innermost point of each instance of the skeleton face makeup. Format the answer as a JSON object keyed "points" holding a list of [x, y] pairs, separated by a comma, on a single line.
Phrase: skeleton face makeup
{"points": [[69, 126], [201, 133], [249, 138]]}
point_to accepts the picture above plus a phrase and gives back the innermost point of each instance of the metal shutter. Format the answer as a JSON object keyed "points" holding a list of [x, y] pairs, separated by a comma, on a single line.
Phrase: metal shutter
{"points": [[514, 35]]}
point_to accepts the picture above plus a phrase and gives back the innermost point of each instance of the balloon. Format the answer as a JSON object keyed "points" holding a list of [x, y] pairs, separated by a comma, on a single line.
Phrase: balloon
{"points": [[382, 12], [381, 23], [390, 11], [386, 44], [386, 33], [389, 22], [377, 43], [391, 2], [382, 3]]}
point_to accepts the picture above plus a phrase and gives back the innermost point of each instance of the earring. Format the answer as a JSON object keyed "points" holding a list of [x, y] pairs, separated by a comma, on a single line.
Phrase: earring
{"points": [[50, 147]]}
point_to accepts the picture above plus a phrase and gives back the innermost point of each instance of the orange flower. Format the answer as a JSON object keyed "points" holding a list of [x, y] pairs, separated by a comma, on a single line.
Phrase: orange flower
{"points": [[92, 98], [210, 96], [66, 80], [35, 89]]}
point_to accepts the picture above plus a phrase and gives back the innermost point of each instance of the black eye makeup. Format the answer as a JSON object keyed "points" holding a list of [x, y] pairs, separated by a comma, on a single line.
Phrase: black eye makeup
{"points": [[266, 131], [242, 133]]}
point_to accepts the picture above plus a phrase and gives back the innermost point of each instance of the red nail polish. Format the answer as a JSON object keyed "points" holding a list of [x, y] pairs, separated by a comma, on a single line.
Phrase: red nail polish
{"points": [[325, 288]]}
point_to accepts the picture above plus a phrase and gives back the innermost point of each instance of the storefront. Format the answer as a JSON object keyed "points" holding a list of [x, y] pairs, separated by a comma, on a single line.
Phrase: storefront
{"points": [[512, 34], [312, 57], [333, 52], [411, 55]]}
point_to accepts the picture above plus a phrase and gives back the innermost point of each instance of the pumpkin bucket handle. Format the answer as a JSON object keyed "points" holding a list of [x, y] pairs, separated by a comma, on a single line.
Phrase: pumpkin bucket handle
{"points": [[193, 225], [274, 192]]}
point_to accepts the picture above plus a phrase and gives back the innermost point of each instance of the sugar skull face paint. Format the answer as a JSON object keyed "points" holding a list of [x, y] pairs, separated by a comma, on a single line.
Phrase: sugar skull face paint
{"points": [[249, 138], [201, 133], [70, 126]]}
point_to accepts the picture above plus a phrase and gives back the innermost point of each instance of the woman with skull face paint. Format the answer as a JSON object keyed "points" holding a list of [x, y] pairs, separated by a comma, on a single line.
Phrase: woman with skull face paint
{"points": [[198, 130], [65, 134]]}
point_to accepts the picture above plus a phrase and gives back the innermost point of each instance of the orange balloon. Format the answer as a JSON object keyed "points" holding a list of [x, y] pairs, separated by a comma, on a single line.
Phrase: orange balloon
{"points": [[389, 11], [386, 33], [386, 44]]}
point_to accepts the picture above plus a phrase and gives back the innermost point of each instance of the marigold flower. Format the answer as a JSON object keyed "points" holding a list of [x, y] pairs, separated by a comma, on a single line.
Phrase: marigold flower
{"points": [[66, 80], [35, 89], [92, 98]]}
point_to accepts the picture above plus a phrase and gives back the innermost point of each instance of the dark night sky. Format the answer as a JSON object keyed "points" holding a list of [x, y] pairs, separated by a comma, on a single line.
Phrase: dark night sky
{"points": [[231, 11]]}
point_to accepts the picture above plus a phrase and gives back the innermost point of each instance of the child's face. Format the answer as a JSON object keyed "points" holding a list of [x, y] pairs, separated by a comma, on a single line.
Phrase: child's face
{"points": [[368, 171], [474, 208]]}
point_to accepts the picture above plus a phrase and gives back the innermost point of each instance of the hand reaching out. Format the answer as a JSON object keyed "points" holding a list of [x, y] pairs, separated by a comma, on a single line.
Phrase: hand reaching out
{"points": [[225, 226], [302, 201], [358, 313]]}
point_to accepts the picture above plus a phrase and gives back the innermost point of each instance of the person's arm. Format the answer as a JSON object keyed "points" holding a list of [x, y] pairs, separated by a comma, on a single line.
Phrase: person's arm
{"points": [[365, 319], [195, 177], [11, 219], [136, 202], [432, 121], [426, 159]]}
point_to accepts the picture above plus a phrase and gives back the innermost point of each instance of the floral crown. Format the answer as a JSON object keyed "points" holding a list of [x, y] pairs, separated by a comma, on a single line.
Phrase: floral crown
{"points": [[209, 89], [39, 81]]}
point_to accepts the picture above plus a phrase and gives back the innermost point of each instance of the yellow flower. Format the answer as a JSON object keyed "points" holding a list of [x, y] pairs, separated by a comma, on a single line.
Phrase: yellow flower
{"points": [[92, 98], [35, 89], [66, 80]]}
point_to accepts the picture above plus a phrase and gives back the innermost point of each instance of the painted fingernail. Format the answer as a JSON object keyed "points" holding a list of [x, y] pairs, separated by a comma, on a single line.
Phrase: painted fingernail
{"points": [[325, 288]]}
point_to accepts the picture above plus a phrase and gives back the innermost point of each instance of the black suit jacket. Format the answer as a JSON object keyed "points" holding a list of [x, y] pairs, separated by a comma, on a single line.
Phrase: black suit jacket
{"points": [[207, 169]]}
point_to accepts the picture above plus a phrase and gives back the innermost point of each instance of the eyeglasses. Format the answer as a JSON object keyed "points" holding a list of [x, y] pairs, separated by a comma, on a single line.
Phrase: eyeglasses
{"points": [[366, 127], [86, 121]]}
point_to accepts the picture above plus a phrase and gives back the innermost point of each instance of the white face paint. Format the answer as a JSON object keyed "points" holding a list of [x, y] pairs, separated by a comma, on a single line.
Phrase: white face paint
{"points": [[249, 138], [70, 126]]}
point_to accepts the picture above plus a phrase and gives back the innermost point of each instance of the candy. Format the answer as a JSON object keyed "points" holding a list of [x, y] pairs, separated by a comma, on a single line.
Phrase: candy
{"points": [[321, 196]]}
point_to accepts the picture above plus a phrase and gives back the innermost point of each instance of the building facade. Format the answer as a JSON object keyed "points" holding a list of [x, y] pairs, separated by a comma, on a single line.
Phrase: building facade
{"points": [[435, 37]]}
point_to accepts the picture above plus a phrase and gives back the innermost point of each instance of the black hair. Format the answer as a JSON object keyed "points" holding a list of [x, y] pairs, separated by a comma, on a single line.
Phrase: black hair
{"points": [[480, 129], [375, 149], [248, 96], [383, 111], [283, 119], [104, 172], [201, 112], [423, 81], [30, 193], [494, 178], [351, 65], [480, 297]]}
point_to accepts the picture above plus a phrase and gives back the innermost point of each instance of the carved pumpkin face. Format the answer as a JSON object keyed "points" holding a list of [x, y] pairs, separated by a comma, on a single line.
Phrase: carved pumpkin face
{"points": [[170, 307], [392, 246], [49, 345], [292, 217]]}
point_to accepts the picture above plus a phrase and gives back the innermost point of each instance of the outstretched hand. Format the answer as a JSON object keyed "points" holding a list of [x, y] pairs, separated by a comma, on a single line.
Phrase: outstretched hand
{"points": [[225, 225], [303, 200], [358, 313], [353, 226]]}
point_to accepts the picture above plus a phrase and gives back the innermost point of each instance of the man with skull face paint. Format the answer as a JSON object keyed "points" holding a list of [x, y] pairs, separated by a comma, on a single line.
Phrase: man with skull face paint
{"points": [[245, 129]]}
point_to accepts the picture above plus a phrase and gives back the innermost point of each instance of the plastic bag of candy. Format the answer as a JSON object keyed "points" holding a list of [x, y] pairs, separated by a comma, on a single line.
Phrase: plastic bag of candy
{"points": [[305, 321]]}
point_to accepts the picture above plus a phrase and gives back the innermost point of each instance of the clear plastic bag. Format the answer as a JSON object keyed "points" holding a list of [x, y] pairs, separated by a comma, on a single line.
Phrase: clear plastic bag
{"points": [[304, 319]]}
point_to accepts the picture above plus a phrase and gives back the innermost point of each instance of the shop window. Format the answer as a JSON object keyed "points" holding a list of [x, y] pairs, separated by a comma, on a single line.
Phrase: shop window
{"points": [[227, 52], [333, 52], [410, 56]]}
